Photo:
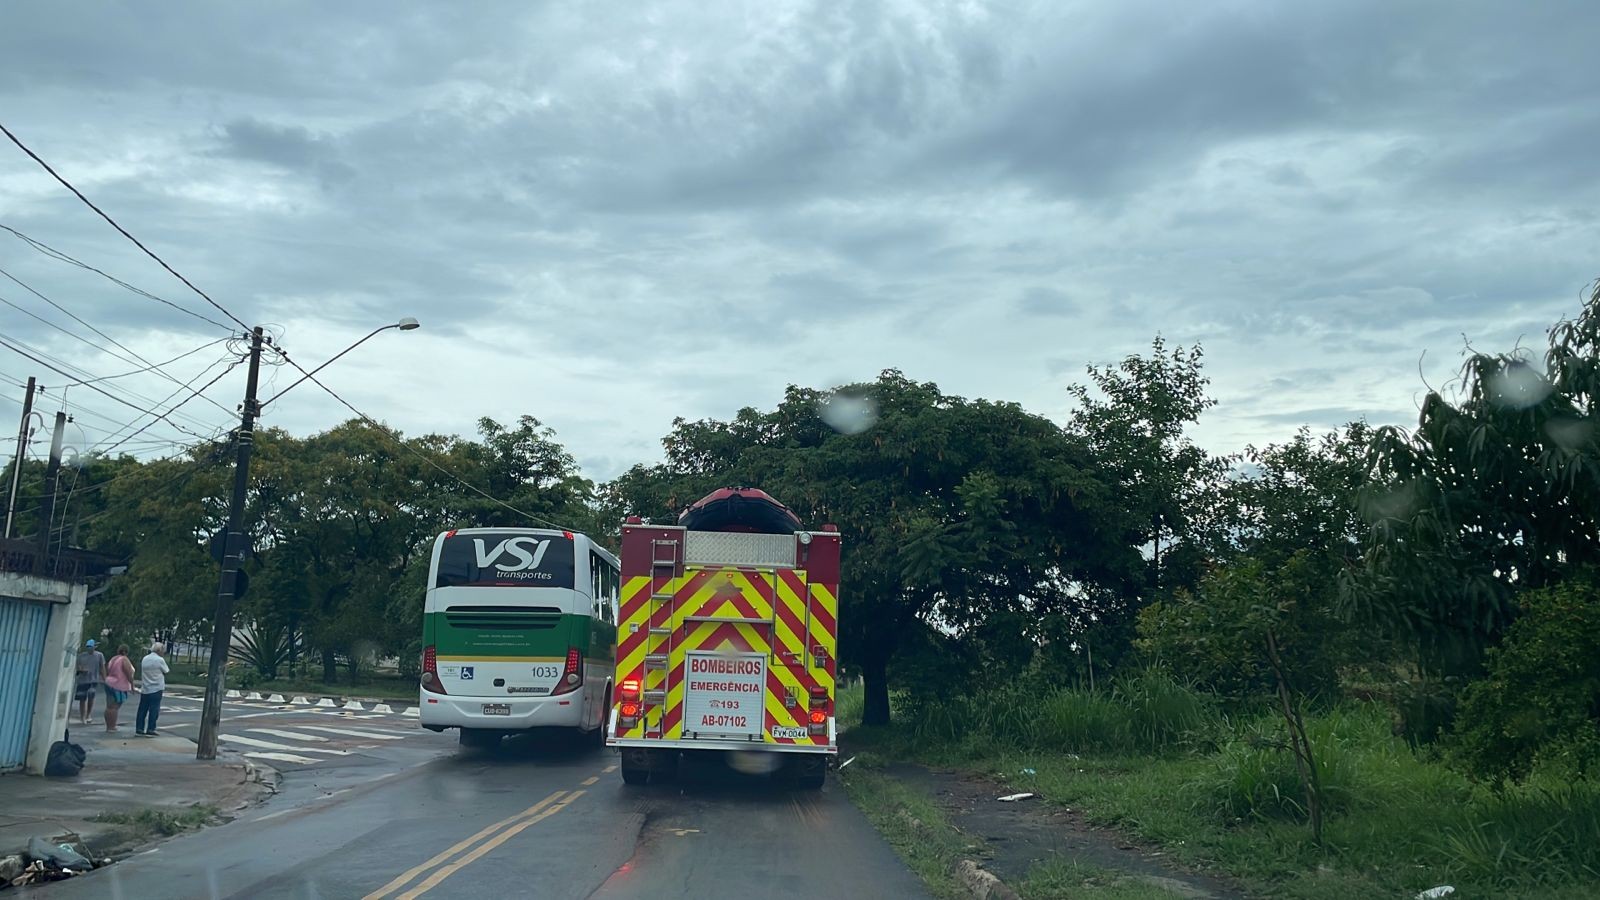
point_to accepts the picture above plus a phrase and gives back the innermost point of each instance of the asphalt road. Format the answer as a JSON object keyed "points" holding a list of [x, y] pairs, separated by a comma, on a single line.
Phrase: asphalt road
{"points": [[345, 745], [538, 818]]}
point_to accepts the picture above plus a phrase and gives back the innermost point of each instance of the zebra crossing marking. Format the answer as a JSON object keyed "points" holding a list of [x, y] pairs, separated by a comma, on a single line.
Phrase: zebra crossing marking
{"points": [[269, 745], [281, 757], [291, 735], [355, 732]]}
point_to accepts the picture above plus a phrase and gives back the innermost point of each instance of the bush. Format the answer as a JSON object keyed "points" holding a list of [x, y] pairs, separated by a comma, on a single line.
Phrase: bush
{"points": [[1256, 777], [1539, 705]]}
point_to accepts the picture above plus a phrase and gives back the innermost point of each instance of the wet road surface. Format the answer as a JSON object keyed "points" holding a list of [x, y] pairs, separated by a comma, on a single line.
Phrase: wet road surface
{"points": [[538, 818]]}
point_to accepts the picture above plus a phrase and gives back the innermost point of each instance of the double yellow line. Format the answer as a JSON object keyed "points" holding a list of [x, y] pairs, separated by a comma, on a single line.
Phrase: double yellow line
{"points": [[512, 826]]}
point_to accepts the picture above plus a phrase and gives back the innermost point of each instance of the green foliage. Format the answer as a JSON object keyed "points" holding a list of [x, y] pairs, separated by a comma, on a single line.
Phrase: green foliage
{"points": [[1145, 712], [1218, 636], [1539, 704], [1547, 836], [964, 514], [1495, 493], [1133, 419]]}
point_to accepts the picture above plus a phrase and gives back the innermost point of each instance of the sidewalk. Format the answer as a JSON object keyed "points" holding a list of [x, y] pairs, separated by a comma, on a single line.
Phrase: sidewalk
{"points": [[127, 774]]}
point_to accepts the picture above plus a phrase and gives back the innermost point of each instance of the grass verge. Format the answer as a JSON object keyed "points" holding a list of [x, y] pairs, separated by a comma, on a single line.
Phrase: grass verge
{"points": [[1223, 797], [164, 822], [1070, 881], [911, 824]]}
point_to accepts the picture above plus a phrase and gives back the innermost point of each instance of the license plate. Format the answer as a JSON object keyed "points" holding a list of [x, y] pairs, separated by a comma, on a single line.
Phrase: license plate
{"points": [[784, 731], [497, 709]]}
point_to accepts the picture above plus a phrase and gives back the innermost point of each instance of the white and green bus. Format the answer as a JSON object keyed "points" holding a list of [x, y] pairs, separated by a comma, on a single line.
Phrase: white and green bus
{"points": [[519, 631]]}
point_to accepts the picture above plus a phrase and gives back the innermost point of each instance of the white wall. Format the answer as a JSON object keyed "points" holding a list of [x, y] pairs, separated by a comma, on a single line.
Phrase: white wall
{"points": [[52, 700]]}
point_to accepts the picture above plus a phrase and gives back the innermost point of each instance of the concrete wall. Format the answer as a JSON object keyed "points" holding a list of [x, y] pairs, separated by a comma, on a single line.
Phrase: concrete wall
{"points": [[52, 701]]}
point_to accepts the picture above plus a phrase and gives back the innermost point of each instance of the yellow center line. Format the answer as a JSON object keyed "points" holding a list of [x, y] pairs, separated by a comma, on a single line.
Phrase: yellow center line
{"points": [[485, 847], [414, 871], [609, 769], [588, 782]]}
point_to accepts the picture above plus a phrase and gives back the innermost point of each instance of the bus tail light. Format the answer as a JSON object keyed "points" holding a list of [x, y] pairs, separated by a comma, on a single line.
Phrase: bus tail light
{"points": [[430, 670], [572, 676]]}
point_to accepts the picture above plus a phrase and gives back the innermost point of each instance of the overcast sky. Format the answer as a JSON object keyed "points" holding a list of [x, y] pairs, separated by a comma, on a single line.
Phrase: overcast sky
{"points": [[610, 214]]}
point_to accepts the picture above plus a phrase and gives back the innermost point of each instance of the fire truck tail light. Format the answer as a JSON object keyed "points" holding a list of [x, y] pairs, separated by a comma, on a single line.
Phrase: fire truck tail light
{"points": [[629, 689], [818, 717]]}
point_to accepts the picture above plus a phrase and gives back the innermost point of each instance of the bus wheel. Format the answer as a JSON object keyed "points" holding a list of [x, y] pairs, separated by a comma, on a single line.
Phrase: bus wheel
{"points": [[597, 738], [810, 772], [635, 767], [478, 739]]}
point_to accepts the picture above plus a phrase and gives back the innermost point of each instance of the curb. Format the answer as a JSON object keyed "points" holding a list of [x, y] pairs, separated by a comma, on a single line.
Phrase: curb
{"points": [[324, 701], [982, 883]]}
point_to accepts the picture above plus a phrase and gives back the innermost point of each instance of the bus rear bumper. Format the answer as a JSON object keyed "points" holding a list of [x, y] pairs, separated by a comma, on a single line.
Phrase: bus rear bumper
{"points": [[438, 711]]}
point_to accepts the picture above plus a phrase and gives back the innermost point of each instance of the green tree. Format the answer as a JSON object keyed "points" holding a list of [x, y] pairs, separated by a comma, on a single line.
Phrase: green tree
{"points": [[1494, 493], [1252, 628], [1133, 419], [954, 510]]}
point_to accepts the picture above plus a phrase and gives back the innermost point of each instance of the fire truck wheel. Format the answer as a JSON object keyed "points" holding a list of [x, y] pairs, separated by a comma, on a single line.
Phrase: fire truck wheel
{"points": [[810, 772], [635, 767]]}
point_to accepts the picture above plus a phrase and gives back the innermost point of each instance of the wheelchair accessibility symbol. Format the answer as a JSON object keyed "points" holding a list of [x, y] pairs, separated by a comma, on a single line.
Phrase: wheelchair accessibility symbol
{"points": [[466, 673]]}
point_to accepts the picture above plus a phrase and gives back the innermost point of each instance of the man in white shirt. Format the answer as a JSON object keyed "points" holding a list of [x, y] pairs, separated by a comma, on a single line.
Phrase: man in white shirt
{"points": [[153, 680]]}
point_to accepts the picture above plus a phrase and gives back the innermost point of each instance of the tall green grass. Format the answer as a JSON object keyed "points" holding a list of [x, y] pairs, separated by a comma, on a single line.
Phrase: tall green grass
{"points": [[1146, 712]]}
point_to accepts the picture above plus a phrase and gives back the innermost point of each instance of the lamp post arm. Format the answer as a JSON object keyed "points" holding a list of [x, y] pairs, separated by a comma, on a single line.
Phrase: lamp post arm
{"points": [[304, 377]]}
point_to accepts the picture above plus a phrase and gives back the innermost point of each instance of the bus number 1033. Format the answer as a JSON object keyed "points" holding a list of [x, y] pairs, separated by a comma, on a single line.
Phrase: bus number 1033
{"points": [[547, 671]]}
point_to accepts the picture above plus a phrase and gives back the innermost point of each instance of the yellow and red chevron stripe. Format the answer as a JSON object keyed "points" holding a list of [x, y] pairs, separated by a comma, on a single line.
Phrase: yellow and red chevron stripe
{"points": [[775, 612]]}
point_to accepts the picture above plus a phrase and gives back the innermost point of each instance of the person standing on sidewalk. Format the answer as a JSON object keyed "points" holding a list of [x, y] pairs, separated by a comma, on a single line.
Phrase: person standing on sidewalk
{"points": [[91, 674], [153, 680], [119, 681]]}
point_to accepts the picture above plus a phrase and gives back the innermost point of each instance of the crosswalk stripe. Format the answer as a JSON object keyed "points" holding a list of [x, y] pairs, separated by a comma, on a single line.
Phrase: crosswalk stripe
{"points": [[291, 735], [355, 732], [268, 745], [281, 757]]}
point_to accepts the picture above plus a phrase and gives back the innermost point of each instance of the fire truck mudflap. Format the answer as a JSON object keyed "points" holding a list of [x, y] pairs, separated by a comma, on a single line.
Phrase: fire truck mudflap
{"points": [[727, 639]]}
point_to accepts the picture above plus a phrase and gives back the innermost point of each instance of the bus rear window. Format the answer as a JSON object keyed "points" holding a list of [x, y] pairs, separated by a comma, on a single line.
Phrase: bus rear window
{"points": [[489, 559]]}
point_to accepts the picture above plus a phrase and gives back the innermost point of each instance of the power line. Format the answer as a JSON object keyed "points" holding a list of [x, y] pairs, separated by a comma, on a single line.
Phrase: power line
{"points": [[65, 257], [82, 377], [414, 451], [174, 409], [136, 357], [113, 223], [183, 355], [96, 388]]}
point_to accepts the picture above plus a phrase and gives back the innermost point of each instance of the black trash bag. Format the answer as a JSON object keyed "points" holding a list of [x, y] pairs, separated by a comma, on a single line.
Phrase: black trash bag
{"points": [[65, 759], [59, 855]]}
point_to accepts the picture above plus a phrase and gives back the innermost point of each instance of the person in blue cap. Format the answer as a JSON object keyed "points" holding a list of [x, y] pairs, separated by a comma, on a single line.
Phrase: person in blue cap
{"points": [[91, 675]]}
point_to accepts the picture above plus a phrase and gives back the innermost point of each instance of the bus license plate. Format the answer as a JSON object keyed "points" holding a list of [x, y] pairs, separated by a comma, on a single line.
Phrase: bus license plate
{"points": [[782, 731], [497, 709]]}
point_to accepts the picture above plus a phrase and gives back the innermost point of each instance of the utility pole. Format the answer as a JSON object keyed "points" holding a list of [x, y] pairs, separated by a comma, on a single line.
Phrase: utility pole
{"points": [[16, 464], [232, 548], [47, 505]]}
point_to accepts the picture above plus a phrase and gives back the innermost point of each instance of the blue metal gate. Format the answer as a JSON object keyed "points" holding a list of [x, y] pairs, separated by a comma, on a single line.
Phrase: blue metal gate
{"points": [[22, 632]]}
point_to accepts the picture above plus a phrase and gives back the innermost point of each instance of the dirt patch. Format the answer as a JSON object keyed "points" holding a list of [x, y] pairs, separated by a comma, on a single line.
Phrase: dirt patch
{"points": [[1023, 834]]}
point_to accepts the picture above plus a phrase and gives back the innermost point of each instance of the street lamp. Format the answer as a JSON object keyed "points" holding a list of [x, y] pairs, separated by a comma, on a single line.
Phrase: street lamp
{"points": [[405, 324]]}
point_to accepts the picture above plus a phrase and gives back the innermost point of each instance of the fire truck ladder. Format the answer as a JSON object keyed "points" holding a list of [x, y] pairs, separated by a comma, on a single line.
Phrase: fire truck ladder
{"points": [[665, 558]]}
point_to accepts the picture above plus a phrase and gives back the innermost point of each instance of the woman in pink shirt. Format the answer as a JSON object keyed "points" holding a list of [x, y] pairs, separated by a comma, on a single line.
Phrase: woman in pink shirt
{"points": [[119, 681]]}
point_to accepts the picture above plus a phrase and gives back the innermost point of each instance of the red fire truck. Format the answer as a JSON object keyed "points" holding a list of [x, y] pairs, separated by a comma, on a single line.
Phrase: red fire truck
{"points": [[727, 639]]}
